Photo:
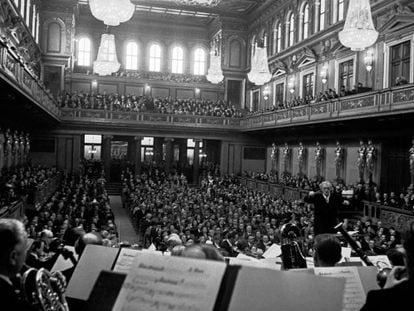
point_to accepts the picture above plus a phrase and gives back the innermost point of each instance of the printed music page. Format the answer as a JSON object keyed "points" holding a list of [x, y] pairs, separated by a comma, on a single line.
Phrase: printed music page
{"points": [[124, 261], [354, 294], [170, 283]]}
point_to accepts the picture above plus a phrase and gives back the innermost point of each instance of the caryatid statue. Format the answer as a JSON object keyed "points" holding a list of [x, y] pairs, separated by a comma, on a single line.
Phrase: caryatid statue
{"points": [[370, 159], [319, 153], [411, 159], [339, 159], [2, 141], [286, 153], [301, 156], [361, 160]]}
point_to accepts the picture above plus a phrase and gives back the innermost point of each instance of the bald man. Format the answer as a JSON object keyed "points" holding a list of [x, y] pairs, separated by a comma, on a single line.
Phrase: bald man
{"points": [[326, 205]]}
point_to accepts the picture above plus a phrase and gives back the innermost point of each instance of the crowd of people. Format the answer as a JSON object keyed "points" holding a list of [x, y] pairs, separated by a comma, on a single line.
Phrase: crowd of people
{"points": [[79, 206], [21, 183], [133, 103], [229, 216], [327, 95]]}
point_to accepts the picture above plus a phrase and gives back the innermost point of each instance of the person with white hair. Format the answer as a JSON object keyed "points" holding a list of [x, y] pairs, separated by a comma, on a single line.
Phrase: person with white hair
{"points": [[326, 205]]}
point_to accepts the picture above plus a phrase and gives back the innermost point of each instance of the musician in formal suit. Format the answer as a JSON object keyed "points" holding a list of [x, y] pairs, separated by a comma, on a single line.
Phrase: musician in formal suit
{"points": [[399, 287], [326, 205], [13, 241]]}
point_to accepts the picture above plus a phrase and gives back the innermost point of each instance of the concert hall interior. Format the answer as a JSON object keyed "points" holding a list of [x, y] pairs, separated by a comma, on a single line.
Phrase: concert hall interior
{"points": [[206, 154]]}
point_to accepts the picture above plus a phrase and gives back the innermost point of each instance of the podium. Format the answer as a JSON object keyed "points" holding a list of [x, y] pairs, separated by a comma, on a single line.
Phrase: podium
{"points": [[110, 279]]}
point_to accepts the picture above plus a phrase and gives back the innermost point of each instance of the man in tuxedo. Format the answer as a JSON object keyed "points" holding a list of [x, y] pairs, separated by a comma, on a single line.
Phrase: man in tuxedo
{"points": [[399, 287], [13, 241], [326, 205]]}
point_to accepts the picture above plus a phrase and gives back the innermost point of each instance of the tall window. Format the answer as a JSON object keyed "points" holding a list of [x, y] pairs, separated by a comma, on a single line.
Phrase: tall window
{"points": [[84, 52], [346, 74], [177, 61], [290, 29], [147, 149], [22, 6], [131, 59], [277, 37], [34, 21], [400, 63], [305, 21], [338, 10], [280, 89], [155, 58], [27, 12], [308, 85], [190, 150], [322, 14], [199, 61]]}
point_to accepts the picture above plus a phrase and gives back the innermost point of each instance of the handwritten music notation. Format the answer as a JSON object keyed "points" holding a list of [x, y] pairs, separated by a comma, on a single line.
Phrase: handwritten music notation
{"points": [[170, 283]]}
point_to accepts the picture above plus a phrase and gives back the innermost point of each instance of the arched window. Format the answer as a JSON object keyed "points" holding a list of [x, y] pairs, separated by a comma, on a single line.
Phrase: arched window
{"points": [[322, 14], [279, 37], [177, 60], [131, 57], [84, 52], [155, 58], [305, 21], [338, 10], [290, 29], [199, 61]]}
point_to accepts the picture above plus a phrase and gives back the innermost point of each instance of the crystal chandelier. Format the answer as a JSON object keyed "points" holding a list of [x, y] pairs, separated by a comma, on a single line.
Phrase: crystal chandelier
{"points": [[106, 63], [214, 73], [199, 2], [112, 12], [359, 32], [259, 72]]}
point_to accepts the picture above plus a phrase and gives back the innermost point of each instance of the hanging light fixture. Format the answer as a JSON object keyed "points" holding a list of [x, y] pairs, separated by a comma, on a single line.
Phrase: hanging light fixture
{"points": [[259, 72], [207, 3], [214, 73], [106, 63], [359, 32], [112, 12]]}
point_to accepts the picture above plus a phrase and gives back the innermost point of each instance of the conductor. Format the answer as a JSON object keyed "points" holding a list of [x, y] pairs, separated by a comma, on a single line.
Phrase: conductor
{"points": [[326, 205]]}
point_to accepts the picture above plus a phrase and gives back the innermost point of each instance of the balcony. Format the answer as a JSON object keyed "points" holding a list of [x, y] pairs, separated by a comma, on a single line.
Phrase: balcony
{"points": [[398, 100], [148, 119]]}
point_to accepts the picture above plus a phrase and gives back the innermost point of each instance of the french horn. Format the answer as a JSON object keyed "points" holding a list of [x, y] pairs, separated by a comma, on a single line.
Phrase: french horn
{"points": [[43, 290]]}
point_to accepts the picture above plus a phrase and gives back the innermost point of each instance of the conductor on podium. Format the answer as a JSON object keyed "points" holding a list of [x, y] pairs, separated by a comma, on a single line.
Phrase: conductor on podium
{"points": [[326, 206]]}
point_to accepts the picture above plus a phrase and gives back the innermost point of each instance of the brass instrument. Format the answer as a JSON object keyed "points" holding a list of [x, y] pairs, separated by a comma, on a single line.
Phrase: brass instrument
{"points": [[43, 290], [292, 257]]}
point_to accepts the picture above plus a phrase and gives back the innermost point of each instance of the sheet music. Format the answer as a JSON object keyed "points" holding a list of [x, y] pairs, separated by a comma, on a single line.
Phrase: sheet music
{"points": [[124, 261], [170, 283], [354, 294], [380, 261], [273, 251]]}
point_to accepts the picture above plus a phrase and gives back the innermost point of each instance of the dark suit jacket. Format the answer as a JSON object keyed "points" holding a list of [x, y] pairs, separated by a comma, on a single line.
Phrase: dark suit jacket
{"points": [[326, 213], [398, 298], [9, 301]]}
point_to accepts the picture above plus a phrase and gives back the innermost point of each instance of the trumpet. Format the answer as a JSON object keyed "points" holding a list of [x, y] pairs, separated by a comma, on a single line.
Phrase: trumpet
{"points": [[43, 290]]}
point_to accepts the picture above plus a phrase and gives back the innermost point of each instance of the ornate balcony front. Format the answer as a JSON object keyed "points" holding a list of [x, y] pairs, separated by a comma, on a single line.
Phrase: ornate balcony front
{"points": [[398, 100]]}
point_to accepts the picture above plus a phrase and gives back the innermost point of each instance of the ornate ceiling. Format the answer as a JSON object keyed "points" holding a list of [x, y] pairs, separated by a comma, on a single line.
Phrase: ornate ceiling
{"points": [[230, 8]]}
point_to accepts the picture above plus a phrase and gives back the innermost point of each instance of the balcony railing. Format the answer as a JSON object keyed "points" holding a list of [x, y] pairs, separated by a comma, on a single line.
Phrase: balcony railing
{"points": [[396, 100], [141, 118], [389, 101], [13, 69]]}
